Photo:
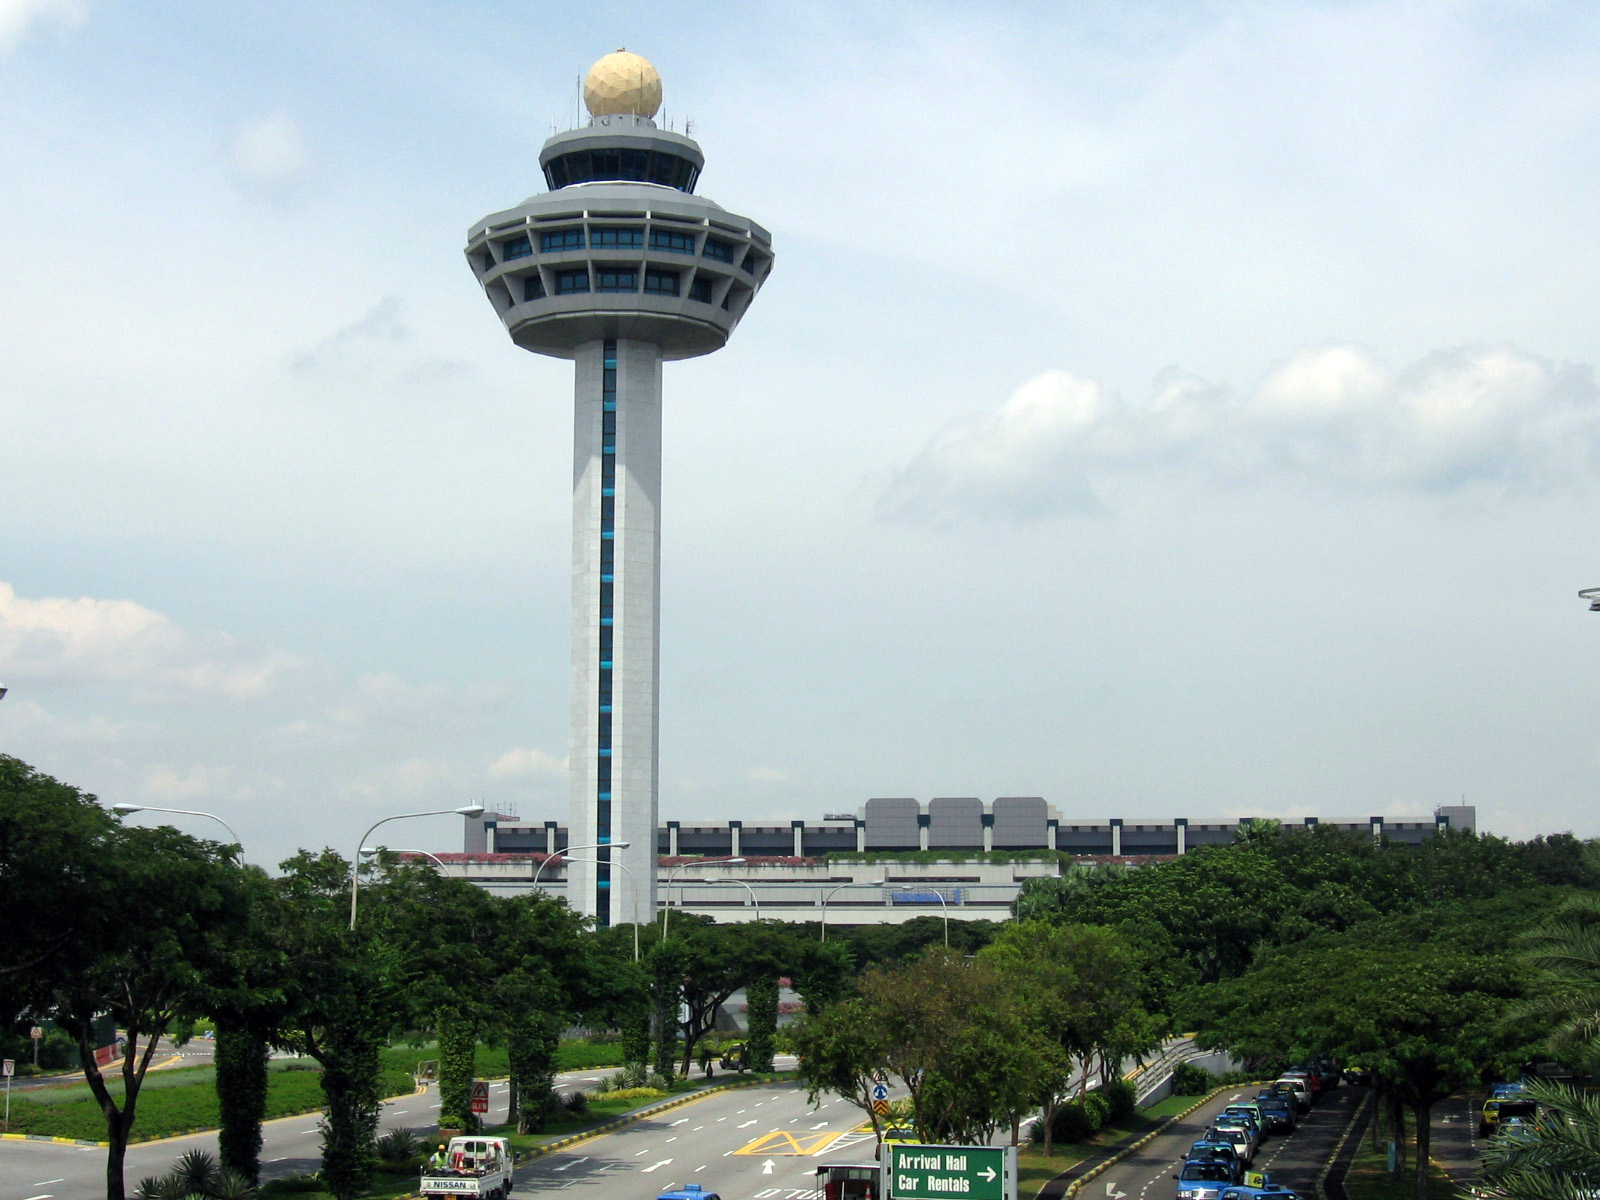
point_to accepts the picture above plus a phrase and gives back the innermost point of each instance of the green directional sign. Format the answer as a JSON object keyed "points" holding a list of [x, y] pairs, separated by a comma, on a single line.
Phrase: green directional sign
{"points": [[951, 1172]]}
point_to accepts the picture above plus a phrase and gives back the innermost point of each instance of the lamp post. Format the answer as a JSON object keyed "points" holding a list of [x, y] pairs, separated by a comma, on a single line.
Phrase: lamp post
{"points": [[666, 909], [625, 867], [1592, 595], [829, 896], [539, 870], [123, 810], [466, 810], [943, 906], [372, 851], [725, 882]]}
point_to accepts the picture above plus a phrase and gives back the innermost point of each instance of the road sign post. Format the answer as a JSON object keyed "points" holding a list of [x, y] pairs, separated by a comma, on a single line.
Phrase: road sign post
{"points": [[480, 1096], [10, 1069], [951, 1172], [36, 1033]]}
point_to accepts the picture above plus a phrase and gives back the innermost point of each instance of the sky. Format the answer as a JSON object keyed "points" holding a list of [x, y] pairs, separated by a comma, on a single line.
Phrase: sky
{"points": [[1167, 409]]}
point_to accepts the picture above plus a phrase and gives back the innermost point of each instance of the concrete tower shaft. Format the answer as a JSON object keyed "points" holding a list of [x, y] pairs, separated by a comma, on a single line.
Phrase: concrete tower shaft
{"points": [[618, 267]]}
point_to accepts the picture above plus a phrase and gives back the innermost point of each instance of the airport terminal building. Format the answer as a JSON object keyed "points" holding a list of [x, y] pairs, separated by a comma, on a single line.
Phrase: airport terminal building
{"points": [[847, 864]]}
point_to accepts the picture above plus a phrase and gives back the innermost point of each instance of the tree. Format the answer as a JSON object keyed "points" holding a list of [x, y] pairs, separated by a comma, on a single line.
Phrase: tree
{"points": [[345, 992], [180, 902], [55, 904], [1561, 1161], [1416, 1000], [761, 1016]]}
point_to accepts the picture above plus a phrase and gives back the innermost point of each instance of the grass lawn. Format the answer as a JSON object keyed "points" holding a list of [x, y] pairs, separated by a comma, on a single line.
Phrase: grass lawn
{"points": [[1034, 1170], [1369, 1177]]}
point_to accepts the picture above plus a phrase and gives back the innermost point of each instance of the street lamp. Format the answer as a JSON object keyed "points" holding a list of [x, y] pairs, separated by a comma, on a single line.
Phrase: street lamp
{"points": [[666, 909], [595, 862], [123, 810], [1592, 595], [724, 882], [568, 851], [829, 896], [942, 905], [373, 851], [466, 810]]}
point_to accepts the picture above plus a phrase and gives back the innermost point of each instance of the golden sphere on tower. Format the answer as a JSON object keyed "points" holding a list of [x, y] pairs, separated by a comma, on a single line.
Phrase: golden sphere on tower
{"points": [[622, 83]]}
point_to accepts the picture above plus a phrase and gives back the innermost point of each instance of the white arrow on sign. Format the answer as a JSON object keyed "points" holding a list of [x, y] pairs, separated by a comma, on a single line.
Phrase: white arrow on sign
{"points": [[766, 1167], [987, 1173], [1111, 1191], [664, 1162]]}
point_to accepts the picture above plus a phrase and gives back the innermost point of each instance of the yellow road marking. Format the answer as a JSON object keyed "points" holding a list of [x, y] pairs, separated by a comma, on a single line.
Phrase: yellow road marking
{"points": [[781, 1141]]}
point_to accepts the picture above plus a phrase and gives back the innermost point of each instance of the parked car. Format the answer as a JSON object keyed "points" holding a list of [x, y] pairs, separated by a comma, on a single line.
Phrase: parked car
{"points": [[1203, 1180], [1217, 1151], [1296, 1086], [1279, 1112], [1250, 1111], [1241, 1133]]}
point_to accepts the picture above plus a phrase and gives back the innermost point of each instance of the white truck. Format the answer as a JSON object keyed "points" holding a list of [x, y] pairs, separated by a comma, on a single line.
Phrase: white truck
{"points": [[475, 1166]]}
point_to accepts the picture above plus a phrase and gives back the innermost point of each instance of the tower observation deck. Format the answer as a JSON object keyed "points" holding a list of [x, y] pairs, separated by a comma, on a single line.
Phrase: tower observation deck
{"points": [[618, 267]]}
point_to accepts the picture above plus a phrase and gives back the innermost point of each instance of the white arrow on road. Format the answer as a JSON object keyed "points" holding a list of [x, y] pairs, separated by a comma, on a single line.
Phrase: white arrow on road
{"points": [[664, 1162], [746, 1125], [821, 1125], [766, 1167], [1111, 1191], [573, 1163]]}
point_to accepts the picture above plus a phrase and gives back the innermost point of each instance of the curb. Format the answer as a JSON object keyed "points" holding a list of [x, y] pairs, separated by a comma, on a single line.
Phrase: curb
{"points": [[57, 1141], [1356, 1126]]}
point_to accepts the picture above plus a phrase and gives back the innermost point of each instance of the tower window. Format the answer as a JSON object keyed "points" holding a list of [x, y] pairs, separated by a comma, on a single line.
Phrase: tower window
{"points": [[569, 282], [612, 238], [532, 288], [517, 247], [752, 263], [700, 290], [672, 241], [609, 279], [661, 283], [719, 250], [561, 239]]}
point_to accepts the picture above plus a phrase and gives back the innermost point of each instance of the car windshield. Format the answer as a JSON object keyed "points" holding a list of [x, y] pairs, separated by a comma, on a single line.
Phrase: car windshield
{"points": [[1206, 1171]]}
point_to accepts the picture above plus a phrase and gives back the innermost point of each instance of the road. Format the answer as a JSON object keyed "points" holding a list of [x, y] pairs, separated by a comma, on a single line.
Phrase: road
{"points": [[1294, 1160], [290, 1146], [753, 1143]]}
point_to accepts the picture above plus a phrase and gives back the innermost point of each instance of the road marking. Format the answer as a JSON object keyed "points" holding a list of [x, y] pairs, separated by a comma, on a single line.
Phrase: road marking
{"points": [[48, 1182], [781, 1141], [303, 1132], [722, 1118], [673, 1138], [44, 1196], [399, 1111], [681, 1121], [746, 1125], [766, 1167], [822, 1125], [646, 1150], [573, 1163], [664, 1162], [270, 1161], [697, 1129]]}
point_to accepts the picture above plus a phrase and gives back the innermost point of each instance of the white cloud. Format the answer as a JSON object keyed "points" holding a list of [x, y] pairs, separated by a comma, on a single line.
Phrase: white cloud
{"points": [[88, 640], [268, 151], [1335, 415], [526, 764], [18, 18]]}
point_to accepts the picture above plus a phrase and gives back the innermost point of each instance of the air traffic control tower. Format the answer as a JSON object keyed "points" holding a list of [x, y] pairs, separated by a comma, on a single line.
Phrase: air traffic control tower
{"points": [[618, 267]]}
